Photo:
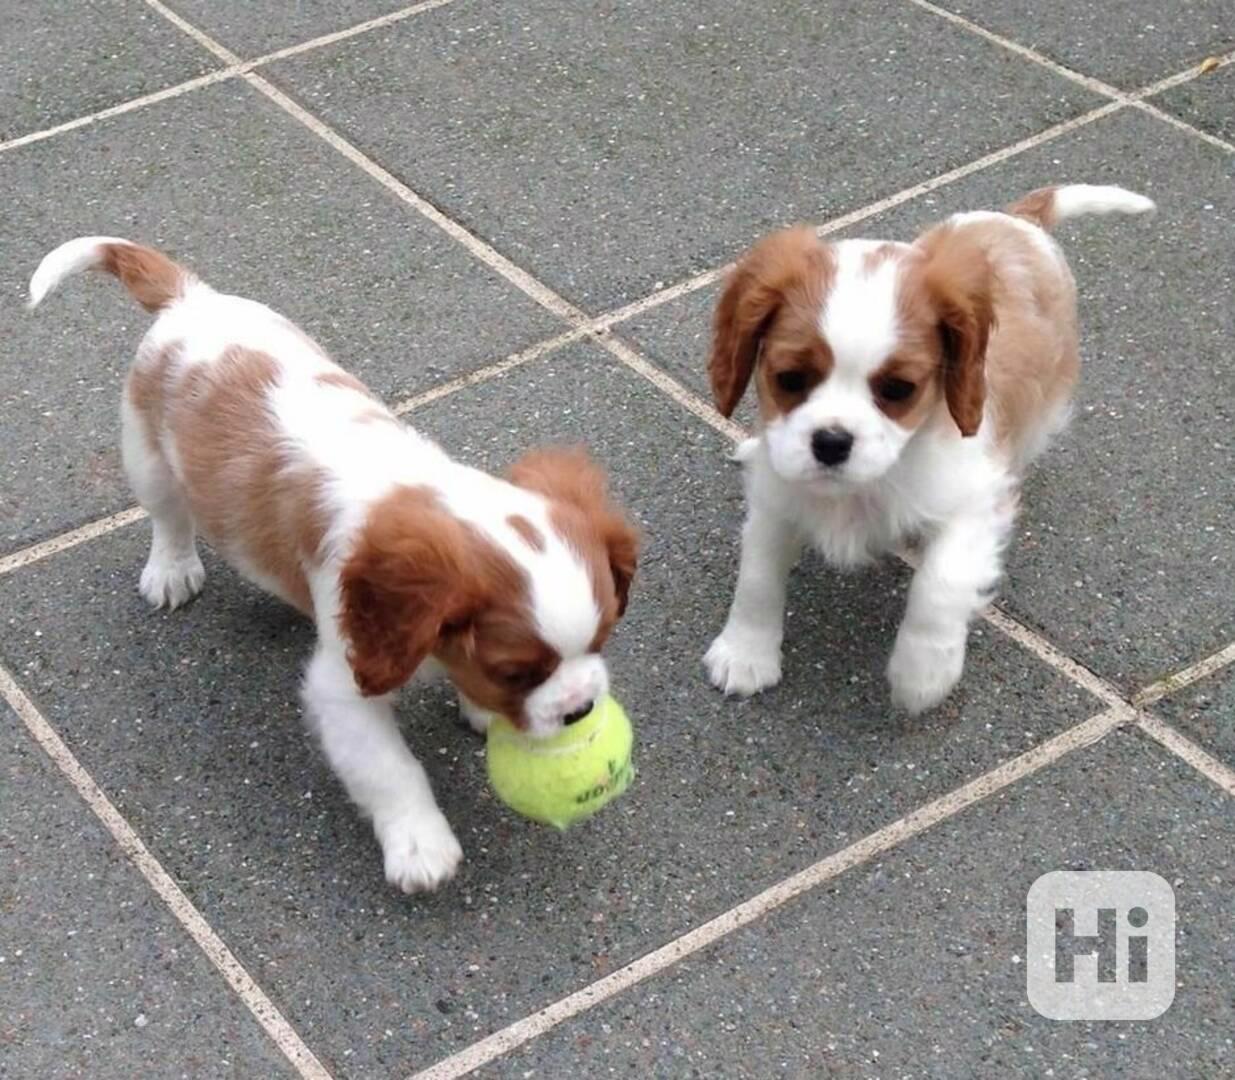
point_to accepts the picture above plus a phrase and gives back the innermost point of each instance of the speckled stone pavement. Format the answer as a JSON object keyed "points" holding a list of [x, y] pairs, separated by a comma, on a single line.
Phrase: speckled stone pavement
{"points": [[510, 219]]}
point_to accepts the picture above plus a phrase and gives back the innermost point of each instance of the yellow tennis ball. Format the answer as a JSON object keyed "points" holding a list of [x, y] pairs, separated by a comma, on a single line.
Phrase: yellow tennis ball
{"points": [[568, 776]]}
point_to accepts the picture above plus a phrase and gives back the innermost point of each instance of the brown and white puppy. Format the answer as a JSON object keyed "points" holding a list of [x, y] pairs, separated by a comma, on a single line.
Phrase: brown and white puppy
{"points": [[903, 389], [238, 427]]}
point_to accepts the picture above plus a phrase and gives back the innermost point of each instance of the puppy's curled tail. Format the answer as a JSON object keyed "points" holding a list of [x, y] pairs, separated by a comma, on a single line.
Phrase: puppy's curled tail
{"points": [[1048, 206], [153, 279]]}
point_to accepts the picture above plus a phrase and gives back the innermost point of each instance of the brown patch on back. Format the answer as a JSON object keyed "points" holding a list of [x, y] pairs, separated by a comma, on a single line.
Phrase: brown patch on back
{"points": [[153, 279], [147, 388], [1038, 207], [789, 270], [528, 532], [251, 497]]}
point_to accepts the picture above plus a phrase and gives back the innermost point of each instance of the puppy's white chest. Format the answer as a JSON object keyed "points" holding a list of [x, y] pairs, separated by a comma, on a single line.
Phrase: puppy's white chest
{"points": [[850, 530]]}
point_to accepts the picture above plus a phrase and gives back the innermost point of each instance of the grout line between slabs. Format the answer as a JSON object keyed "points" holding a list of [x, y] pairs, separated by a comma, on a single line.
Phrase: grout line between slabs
{"points": [[348, 32], [1202, 669], [701, 937], [117, 110], [254, 997], [486, 254], [234, 68], [1097, 86], [1183, 747], [854, 217], [1135, 98], [57, 544], [1183, 125], [1072, 669]]}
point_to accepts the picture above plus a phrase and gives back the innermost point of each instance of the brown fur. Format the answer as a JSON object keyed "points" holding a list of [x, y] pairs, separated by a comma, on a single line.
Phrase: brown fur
{"points": [[1038, 207], [788, 272], [586, 518], [147, 388], [528, 532], [249, 498], [153, 279], [420, 582], [956, 276]]}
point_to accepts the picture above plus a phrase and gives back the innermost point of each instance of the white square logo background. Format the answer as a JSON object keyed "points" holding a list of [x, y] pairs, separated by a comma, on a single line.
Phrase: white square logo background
{"points": [[1144, 908]]}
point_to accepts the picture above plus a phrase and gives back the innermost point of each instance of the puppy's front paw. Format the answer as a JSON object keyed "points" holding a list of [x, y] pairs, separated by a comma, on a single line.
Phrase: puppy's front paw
{"points": [[420, 853], [172, 583], [923, 670], [743, 664]]}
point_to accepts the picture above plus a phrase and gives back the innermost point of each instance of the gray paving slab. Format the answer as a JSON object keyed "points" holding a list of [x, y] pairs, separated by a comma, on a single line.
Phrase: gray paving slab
{"points": [[230, 184], [606, 147], [1205, 102], [62, 61], [1129, 45], [1205, 711], [97, 979], [914, 965], [253, 29], [1126, 521], [191, 722]]}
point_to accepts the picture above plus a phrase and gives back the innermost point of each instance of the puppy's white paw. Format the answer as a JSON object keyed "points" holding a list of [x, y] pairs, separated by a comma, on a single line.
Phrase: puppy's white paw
{"points": [[420, 853], [172, 583], [743, 664], [923, 670]]}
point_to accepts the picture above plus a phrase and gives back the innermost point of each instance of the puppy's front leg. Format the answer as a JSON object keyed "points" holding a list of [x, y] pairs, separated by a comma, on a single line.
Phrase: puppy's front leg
{"points": [[960, 567], [745, 658], [362, 742]]}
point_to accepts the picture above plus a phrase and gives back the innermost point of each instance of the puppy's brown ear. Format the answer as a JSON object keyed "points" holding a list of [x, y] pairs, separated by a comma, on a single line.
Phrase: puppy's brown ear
{"points": [[570, 476], [760, 283], [957, 275], [408, 582]]}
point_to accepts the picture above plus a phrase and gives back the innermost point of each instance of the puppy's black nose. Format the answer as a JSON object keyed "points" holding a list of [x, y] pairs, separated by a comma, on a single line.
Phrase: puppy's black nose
{"points": [[577, 715], [831, 445]]}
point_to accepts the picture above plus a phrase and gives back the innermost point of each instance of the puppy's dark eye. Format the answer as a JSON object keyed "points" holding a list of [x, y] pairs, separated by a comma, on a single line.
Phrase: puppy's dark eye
{"points": [[791, 382], [519, 678], [892, 389]]}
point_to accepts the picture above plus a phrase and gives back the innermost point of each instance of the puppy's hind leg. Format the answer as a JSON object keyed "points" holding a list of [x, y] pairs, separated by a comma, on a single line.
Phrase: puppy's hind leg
{"points": [[174, 573]]}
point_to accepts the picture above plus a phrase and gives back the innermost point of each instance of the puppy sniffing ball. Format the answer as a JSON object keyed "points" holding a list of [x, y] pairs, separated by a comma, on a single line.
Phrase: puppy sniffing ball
{"points": [[568, 776]]}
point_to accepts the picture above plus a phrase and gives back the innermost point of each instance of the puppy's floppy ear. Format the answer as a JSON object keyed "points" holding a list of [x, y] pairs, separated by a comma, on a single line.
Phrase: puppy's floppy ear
{"points": [[958, 278], [570, 476], [409, 581], [760, 283]]}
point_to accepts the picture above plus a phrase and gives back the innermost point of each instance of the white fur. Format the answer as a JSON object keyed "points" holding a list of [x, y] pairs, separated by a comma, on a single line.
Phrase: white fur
{"points": [[362, 464], [69, 258], [1073, 200], [958, 495]]}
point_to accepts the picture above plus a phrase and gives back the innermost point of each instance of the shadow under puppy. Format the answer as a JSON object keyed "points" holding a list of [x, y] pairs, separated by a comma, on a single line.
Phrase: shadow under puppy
{"points": [[903, 389], [238, 427]]}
